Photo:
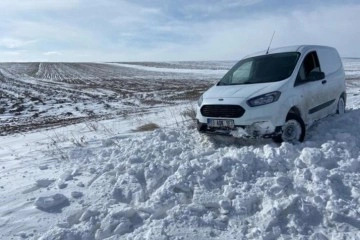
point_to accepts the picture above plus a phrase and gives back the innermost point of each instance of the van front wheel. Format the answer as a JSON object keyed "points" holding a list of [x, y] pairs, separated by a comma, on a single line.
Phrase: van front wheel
{"points": [[292, 131]]}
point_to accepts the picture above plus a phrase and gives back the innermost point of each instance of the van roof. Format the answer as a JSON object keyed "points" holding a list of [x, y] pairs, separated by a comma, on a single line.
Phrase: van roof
{"points": [[296, 48]]}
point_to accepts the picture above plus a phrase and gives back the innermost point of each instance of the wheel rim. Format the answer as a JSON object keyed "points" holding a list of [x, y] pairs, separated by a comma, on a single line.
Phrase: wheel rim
{"points": [[291, 131], [341, 107]]}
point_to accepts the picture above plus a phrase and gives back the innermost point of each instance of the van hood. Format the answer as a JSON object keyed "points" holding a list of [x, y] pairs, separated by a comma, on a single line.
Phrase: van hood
{"points": [[242, 91]]}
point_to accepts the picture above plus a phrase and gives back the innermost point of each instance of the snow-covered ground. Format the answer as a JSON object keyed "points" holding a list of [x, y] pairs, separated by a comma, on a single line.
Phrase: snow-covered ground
{"points": [[35, 95], [102, 180]]}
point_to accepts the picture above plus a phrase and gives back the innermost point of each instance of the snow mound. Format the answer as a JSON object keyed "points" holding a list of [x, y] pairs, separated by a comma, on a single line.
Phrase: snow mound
{"points": [[178, 184], [53, 203]]}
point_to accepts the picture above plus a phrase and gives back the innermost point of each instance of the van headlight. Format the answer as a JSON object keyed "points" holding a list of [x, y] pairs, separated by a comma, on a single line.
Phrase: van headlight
{"points": [[200, 100], [264, 99]]}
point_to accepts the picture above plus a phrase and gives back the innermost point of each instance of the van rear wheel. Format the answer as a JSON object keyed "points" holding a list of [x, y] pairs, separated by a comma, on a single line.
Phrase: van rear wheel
{"points": [[341, 106], [292, 131]]}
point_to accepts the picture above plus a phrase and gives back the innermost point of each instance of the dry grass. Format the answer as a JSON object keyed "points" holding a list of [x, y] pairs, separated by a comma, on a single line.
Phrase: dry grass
{"points": [[189, 113], [147, 127]]}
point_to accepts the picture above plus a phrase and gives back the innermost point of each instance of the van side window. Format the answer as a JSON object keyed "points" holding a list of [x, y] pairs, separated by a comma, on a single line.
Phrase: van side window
{"points": [[310, 64]]}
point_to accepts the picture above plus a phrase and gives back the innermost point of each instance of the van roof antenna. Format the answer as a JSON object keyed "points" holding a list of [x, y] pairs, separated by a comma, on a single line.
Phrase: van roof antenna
{"points": [[267, 51]]}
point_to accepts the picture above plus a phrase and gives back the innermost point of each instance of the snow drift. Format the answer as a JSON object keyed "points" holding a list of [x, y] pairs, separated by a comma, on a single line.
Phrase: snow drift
{"points": [[177, 184]]}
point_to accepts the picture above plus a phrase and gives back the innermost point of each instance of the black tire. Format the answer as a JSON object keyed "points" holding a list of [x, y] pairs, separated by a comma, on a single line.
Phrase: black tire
{"points": [[293, 130], [277, 139], [201, 127], [340, 109]]}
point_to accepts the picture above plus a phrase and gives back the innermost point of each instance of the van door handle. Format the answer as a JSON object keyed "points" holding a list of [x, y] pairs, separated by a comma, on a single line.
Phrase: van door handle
{"points": [[323, 81]]}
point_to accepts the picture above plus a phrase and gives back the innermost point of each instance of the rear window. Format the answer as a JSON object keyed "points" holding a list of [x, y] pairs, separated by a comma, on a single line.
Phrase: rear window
{"points": [[262, 69]]}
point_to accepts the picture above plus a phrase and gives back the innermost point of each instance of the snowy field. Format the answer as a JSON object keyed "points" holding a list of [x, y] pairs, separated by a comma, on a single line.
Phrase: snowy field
{"points": [[38, 95], [100, 179]]}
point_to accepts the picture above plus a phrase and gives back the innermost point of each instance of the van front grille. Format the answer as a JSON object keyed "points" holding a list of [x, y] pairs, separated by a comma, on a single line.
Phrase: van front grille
{"points": [[222, 111]]}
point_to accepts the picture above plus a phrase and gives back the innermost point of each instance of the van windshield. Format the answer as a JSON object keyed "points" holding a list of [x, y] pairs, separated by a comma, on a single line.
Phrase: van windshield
{"points": [[261, 69]]}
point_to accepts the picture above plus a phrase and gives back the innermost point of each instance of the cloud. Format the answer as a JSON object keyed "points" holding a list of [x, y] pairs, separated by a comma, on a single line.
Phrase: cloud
{"points": [[231, 39], [17, 6], [12, 43], [126, 15], [13, 53], [110, 30], [235, 3], [52, 53], [218, 6], [234, 38], [201, 9], [51, 34]]}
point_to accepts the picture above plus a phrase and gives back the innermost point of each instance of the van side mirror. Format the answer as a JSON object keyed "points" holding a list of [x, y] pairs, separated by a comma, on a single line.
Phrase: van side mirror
{"points": [[313, 76]]}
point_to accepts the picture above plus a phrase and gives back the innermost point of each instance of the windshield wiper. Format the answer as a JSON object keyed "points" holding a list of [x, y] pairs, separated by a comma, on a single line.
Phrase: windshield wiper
{"points": [[248, 82]]}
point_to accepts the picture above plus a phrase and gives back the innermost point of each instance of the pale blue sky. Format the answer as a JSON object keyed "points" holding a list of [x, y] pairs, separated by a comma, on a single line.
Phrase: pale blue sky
{"points": [[168, 30]]}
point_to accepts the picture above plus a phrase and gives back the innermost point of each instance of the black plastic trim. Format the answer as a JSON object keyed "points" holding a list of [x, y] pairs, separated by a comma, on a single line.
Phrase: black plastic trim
{"points": [[321, 106], [222, 111]]}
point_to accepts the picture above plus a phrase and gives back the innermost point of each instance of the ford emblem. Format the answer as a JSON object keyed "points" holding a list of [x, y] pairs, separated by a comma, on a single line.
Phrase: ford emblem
{"points": [[221, 99]]}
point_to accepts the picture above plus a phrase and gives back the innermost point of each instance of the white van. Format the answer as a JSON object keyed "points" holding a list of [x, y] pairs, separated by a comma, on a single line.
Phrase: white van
{"points": [[276, 94]]}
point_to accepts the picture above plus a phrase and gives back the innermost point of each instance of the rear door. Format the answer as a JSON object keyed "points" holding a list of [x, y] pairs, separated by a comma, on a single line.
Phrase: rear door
{"points": [[313, 92], [335, 84]]}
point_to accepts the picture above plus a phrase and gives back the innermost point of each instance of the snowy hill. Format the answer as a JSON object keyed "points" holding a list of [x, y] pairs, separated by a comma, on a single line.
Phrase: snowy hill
{"points": [[101, 180]]}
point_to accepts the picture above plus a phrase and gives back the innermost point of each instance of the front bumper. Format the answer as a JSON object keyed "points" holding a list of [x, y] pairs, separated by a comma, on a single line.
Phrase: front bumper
{"points": [[262, 129]]}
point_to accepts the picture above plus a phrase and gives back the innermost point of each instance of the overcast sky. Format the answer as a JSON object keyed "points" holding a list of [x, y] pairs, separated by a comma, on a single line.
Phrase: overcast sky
{"points": [[171, 30]]}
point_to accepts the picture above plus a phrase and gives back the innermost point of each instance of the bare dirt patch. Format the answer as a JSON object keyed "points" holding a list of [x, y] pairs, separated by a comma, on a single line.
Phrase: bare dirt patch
{"points": [[147, 127]]}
